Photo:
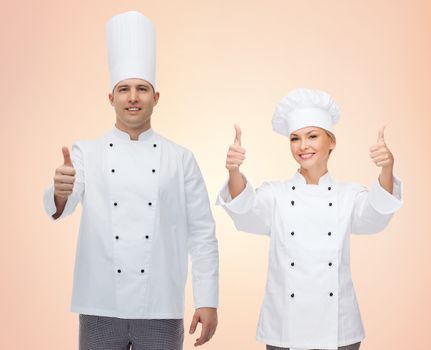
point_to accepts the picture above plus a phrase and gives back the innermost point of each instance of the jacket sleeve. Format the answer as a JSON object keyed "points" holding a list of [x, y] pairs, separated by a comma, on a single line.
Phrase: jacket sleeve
{"points": [[374, 209], [78, 187], [202, 242], [251, 211]]}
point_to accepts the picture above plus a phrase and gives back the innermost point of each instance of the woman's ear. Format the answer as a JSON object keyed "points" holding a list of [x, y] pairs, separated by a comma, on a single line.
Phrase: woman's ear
{"points": [[332, 145]]}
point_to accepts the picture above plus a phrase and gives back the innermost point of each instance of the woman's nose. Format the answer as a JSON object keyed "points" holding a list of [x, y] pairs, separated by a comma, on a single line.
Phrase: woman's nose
{"points": [[304, 144]]}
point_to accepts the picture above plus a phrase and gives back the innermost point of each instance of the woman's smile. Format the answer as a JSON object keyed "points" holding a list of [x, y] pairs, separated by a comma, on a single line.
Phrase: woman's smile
{"points": [[307, 155]]}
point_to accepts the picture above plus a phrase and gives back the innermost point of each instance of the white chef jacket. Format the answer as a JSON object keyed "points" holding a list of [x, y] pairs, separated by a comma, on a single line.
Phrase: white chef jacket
{"points": [[310, 300], [145, 207]]}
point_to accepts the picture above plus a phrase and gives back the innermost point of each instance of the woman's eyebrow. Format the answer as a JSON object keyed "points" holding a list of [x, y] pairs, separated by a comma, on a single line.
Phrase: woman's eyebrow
{"points": [[292, 135]]}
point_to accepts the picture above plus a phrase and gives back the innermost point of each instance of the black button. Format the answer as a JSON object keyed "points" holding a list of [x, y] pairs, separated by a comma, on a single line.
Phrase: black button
{"points": [[330, 264], [154, 145], [147, 237], [292, 233], [292, 295], [116, 237], [329, 188], [149, 203], [329, 233], [154, 170], [331, 294], [142, 271], [111, 145], [293, 202], [113, 170], [292, 264], [115, 203], [119, 271], [293, 187], [330, 204]]}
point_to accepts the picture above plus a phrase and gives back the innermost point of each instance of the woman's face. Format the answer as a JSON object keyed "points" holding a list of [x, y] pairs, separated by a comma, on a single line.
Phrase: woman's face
{"points": [[311, 146]]}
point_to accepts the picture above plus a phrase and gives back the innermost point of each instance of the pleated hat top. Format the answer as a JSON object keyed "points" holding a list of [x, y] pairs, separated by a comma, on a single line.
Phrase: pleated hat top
{"points": [[304, 107], [131, 40]]}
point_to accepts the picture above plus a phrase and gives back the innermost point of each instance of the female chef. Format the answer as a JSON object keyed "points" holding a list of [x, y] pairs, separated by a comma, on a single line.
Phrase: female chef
{"points": [[310, 301]]}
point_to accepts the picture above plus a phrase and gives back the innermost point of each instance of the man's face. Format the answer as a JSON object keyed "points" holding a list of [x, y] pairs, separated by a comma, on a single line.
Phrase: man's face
{"points": [[133, 100]]}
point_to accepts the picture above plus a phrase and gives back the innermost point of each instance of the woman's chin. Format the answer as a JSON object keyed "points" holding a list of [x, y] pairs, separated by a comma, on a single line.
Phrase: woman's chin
{"points": [[306, 163]]}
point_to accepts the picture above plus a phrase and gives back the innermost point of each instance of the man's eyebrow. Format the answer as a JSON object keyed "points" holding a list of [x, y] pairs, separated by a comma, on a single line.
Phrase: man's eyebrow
{"points": [[139, 85]]}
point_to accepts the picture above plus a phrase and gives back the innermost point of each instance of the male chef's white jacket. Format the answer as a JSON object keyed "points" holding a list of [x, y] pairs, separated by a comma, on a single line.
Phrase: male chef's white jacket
{"points": [[309, 300], [144, 208]]}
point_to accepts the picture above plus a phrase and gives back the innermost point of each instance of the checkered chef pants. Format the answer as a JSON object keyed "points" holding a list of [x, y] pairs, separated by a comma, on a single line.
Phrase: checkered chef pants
{"points": [[111, 333], [347, 347]]}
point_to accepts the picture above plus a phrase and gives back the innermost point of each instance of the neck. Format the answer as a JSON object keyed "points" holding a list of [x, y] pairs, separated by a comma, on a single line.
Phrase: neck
{"points": [[133, 132], [313, 175]]}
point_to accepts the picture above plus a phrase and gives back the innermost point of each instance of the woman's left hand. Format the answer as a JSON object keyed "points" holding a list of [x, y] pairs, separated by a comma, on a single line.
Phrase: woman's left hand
{"points": [[380, 153]]}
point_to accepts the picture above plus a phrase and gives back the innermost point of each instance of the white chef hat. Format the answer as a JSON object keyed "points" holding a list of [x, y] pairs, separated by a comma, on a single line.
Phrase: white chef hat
{"points": [[305, 107], [131, 41]]}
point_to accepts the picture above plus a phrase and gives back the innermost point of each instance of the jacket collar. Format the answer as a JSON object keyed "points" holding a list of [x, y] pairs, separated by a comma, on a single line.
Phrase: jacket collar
{"points": [[143, 136], [325, 179]]}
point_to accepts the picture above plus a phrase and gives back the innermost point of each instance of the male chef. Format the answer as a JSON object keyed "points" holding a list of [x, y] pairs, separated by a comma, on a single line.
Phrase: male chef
{"points": [[145, 208]]}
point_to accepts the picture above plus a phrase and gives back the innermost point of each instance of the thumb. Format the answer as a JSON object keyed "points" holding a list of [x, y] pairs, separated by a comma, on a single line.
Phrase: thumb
{"points": [[194, 324], [66, 156], [381, 137], [237, 140]]}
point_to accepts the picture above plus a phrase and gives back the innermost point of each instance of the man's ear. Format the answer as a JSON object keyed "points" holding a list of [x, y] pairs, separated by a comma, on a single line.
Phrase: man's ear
{"points": [[111, 98], [156, 97]]}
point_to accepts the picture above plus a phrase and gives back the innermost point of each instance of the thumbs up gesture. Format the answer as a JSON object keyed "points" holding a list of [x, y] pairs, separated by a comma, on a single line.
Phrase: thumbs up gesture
{"points": [[380, 153], [64, 176], [235, 154]]}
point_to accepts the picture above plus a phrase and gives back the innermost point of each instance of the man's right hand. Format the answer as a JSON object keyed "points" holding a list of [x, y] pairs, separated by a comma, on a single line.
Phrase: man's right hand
{"points": [[64, 177]]}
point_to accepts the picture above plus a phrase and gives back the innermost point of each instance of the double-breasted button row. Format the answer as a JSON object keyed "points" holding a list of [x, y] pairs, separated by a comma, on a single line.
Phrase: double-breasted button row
{"points": [[293, 233], [152, 170], [146, 237], [149, 204], [112, 145], [119, 270], [293, 203], [293, 188], [293, 263], [293, 295]]}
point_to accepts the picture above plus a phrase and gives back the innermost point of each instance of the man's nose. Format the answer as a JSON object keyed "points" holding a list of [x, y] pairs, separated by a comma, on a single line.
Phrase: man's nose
{"points": [[133, 95]]}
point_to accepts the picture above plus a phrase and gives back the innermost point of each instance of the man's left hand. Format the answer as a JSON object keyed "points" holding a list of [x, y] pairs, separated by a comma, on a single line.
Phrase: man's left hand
{"points": [[208, 317]]}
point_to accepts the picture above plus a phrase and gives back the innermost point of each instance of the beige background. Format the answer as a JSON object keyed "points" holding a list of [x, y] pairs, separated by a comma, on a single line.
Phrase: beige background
{"points": [[219, 62]]}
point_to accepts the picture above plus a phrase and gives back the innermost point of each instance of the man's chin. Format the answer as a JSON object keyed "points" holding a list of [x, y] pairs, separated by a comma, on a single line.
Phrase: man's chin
{"points": [[134, 121]]}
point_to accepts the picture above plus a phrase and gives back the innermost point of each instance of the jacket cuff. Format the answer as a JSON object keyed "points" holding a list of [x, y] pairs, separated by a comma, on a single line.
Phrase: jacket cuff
{"points": [[206, 293], [241, 203], [49, 203], [383, 201]]}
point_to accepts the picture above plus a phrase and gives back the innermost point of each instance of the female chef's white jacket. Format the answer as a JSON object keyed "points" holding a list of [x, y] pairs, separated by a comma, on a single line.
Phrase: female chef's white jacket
{"points": [[309, 300], [144, 208]]}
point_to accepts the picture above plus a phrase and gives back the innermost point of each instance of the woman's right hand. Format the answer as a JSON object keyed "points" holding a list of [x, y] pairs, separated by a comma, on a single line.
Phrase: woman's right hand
{"points": [[235, 157], [236, 154]]}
